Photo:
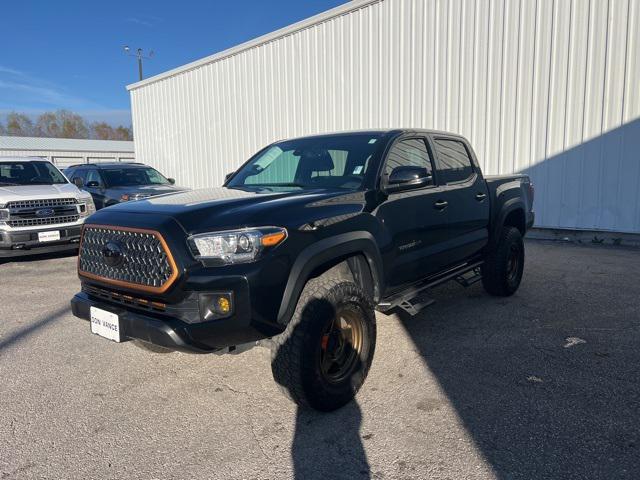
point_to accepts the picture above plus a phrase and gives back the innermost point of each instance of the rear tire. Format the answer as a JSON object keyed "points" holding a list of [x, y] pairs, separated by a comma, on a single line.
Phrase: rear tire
{"points": [[503, 267], [150, 347], [322, 358]]}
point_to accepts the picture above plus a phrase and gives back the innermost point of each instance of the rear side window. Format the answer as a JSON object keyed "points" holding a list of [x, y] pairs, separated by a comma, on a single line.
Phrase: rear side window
{"points": [[452, 161]]}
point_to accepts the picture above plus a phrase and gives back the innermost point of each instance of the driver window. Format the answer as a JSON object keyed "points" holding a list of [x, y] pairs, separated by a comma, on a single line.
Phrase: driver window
{"points": [[411, 152], [93, 176]]}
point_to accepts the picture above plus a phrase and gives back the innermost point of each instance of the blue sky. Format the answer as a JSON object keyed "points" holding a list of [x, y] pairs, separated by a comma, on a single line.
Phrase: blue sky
{"points": [[68, 53]]}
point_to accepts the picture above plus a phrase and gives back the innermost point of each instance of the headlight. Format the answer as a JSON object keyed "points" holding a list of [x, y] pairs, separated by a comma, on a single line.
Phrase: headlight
{"points": [[4, 215], [127, 197], [86, 207], [236, 246]]}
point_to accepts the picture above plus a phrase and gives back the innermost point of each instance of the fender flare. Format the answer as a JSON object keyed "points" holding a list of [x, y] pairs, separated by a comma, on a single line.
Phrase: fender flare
{"points": [[509, 206], [324, 251]]}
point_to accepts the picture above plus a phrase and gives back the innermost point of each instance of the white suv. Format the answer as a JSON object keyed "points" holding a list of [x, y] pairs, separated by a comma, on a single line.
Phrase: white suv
{"points": [[40, 210]]}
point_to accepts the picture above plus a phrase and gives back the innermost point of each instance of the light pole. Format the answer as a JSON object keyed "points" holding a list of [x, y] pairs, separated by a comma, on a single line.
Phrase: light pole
{"points": [[139, 54]]}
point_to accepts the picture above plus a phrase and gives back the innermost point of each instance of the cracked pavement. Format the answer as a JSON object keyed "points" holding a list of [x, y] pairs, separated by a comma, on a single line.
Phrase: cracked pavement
{"points": [[544, 384]]}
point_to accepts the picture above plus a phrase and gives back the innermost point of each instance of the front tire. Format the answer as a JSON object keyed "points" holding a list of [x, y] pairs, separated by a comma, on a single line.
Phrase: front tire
{"points": [[503, 267], [322, 358]]}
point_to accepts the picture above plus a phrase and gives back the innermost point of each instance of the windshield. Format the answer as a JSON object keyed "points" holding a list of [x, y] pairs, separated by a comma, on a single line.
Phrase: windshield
{"points": [[328, 161], [128, 177], [29, 173]]}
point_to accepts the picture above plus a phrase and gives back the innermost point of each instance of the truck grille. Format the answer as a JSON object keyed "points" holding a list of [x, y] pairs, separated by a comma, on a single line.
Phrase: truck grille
{"points": [[53, 202], [31, 213], [31, 222], [128, 257]]}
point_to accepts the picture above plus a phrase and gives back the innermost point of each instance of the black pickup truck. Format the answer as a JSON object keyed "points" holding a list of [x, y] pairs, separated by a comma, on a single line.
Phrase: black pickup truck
{"points": [[299, 247]]}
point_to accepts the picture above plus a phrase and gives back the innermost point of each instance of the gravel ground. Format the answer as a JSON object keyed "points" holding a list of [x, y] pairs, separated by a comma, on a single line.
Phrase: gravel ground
{"points": [[544, 384]]}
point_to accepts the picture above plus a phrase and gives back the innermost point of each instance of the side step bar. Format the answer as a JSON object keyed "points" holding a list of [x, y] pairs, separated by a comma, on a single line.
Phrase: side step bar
{"points": [[413, 299]]}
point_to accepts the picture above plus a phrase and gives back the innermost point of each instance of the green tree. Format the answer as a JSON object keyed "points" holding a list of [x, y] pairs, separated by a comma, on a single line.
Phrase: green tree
{"points": [[19, 125]]}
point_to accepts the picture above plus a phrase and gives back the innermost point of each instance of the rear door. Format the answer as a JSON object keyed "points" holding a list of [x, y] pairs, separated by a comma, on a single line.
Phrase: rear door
{"points": [[416, 228], [465, 193]]}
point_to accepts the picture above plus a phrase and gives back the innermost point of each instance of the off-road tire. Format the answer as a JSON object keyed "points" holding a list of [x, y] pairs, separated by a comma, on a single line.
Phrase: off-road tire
{"points": [[295, 354], [150, 347], [499, 276]]}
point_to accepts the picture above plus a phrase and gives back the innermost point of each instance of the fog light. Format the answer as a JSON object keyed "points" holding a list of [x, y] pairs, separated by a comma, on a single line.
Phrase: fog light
{"points": [[215, 305], [224, 305]]}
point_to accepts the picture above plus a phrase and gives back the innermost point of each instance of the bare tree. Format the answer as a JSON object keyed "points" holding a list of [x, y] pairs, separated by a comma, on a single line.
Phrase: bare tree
{"points": [[102, 131], [62, 124], [19, 125], [123, 133]]}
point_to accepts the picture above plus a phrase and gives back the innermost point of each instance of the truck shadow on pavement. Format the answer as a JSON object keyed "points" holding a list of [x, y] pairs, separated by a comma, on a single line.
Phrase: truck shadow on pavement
{"points": [[31, 328], [547, 387], [328, 445]]}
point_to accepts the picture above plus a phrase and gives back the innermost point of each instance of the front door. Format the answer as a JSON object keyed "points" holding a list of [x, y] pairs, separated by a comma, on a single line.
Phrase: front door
{"points": [[415, 227]]}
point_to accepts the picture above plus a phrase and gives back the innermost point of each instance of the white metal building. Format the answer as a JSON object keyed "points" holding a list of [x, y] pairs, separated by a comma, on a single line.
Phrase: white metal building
{"points": [[546, 87], [67, 151]]}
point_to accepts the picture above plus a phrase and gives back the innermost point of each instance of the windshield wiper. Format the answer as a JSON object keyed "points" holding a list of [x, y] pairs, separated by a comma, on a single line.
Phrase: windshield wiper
{"points": [[10, 184]]}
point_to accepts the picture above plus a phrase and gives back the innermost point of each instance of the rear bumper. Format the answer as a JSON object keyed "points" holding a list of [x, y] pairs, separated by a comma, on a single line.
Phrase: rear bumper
{"points": [[20, 243]]}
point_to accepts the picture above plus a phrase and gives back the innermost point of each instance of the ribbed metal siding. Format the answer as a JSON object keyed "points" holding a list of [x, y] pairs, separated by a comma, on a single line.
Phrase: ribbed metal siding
{"points": [[546, 87]]}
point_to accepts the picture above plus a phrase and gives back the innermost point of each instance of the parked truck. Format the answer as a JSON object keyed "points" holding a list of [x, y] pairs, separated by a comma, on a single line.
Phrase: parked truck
{"points": [[299, 247], [40, 210]]}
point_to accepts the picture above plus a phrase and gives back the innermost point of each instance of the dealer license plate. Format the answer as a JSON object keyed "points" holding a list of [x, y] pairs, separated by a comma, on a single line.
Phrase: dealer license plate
{"points": [[49, 236], [105, 324]]}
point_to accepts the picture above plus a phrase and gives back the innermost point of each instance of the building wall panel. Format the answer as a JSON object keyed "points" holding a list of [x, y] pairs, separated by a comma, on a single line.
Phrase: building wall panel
{"points": [[544, 87]]}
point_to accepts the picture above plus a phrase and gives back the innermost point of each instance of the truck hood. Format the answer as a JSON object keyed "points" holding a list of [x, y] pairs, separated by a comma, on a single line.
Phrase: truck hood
{"points": [[223, 208], [148, 189], [38, 192]]}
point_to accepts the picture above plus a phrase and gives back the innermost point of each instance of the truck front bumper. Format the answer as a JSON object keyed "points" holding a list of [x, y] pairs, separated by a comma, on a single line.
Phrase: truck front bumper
{"points": [[169, 331], [25, 242]]}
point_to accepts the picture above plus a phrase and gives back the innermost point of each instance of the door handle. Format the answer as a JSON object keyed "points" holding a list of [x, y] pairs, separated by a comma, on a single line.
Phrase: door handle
{"points": [[481, 196], [440, 205]]}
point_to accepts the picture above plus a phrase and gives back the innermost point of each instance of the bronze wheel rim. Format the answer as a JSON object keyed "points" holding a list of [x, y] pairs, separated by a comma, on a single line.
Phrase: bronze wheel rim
{"points": [[341, 345]]}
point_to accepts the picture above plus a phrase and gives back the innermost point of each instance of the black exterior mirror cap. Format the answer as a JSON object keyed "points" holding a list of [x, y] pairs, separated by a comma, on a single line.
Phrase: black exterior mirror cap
{"points": [[92, 184], [172, 181], [405, 177]]}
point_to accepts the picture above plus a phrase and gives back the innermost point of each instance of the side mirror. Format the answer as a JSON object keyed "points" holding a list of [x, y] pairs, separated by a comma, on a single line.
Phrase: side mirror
{"points": [[92, 184], [172, 181], [406, 176], [78, 182]]}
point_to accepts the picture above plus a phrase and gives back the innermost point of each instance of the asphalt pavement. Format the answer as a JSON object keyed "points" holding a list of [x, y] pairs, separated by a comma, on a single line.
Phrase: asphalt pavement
{"points": [[544, 384]]}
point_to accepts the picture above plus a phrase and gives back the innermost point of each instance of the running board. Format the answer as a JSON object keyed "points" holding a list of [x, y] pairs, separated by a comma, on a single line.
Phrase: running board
{"points": [[413, 299]]}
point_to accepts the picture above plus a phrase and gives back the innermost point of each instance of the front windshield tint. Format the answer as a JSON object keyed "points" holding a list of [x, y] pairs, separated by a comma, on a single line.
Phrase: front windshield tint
{"points": [[29, 173], [128, 177], [332, 161]]}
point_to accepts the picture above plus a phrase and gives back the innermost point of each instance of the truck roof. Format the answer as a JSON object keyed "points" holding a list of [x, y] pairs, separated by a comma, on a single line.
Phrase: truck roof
{"points": [[376, 131]]}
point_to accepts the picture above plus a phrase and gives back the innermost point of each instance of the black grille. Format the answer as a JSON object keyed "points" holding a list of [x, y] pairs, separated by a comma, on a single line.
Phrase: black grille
{"points": [[141, 258], [53, 202], [124, 299], [30, 222]]}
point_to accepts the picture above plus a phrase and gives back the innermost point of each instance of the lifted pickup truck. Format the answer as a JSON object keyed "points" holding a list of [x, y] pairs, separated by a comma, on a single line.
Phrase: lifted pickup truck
{"points": [[299, 247], [40, 210]]}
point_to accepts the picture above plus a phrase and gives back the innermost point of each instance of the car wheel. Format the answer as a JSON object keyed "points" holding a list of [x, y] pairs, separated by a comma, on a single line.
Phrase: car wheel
{"points": [[322, 358], [503, 267]]}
